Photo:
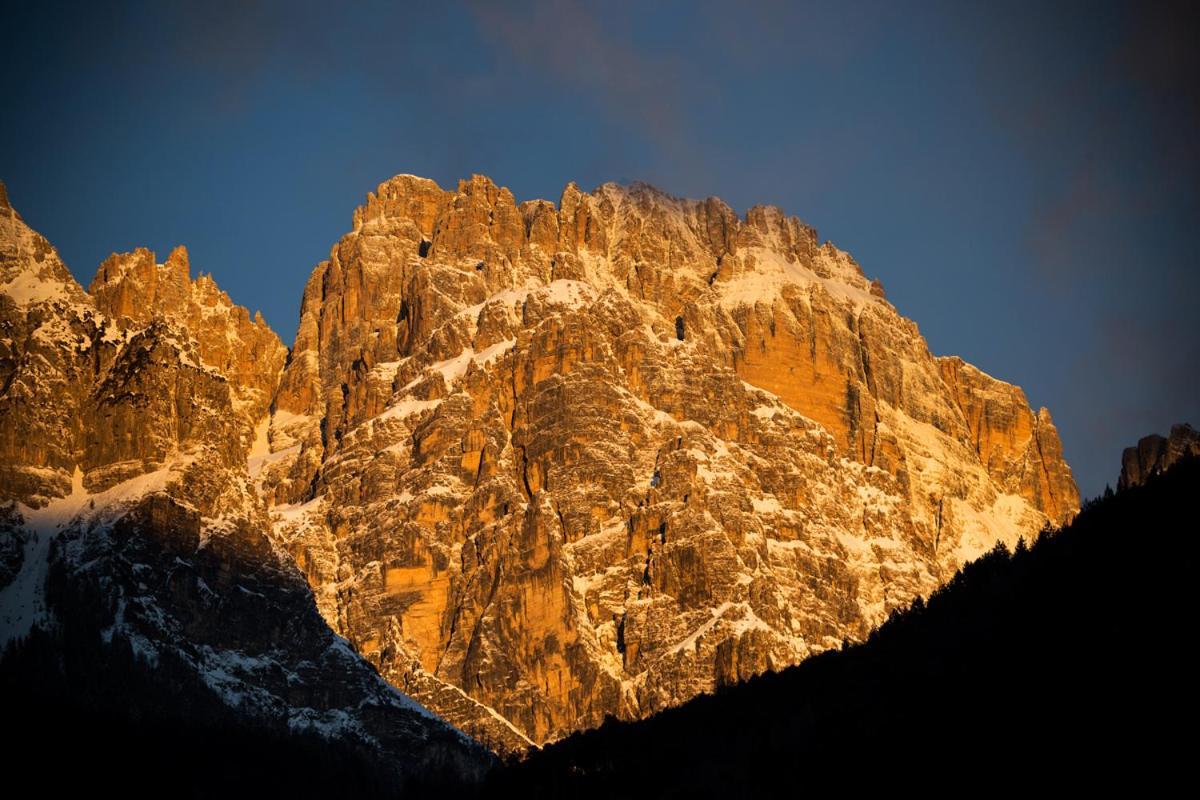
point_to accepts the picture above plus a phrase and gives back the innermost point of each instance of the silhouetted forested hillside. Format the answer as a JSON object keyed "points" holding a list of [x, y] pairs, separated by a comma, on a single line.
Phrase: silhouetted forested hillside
{"points": [[1066, 661]]}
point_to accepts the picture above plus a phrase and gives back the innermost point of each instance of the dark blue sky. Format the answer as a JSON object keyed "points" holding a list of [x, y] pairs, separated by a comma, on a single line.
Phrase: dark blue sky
{"points": [[1024, 179]]}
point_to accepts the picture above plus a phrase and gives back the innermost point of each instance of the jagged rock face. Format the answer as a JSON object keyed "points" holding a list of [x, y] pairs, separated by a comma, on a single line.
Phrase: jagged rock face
{"points": [[127, 420], [539, 464], [1155, 454], [148, 367], [46, 320], [132, 289], [545, 464], [1021, 450], [106, 397]]}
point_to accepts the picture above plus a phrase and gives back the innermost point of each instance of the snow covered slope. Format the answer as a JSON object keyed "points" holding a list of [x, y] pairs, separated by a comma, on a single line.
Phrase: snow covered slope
{"points": [[128, 416]]}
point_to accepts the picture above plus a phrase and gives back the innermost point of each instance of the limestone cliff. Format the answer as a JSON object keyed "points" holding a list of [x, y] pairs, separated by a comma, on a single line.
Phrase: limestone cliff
{"points": [[148, 367], [45, 321], [1155, 454], [546, 463], [127, 419], [132, 290], [538, 463]]}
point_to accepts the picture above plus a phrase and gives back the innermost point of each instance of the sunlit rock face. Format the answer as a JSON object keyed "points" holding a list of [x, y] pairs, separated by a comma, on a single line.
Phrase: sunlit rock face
{"points": [[128, 419], [132, 289], [45, 321], [538, 463], [1155, 454], [149, 367], [543, 463]]}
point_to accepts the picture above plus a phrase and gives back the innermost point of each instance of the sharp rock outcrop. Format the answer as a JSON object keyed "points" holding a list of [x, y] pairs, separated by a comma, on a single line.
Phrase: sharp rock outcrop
{"points": [[1155, 454]]}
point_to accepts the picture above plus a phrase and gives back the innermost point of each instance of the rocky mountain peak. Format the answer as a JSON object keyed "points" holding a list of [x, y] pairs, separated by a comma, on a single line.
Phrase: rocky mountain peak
{"points": [[146, 367], [31, 272], [540, 463], [133, 289], [544, 463], [1154, 454], [129, 419]]}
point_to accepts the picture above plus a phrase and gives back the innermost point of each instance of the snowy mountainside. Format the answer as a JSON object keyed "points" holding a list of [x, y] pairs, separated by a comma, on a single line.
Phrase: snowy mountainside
{"points": [[128, 415]]}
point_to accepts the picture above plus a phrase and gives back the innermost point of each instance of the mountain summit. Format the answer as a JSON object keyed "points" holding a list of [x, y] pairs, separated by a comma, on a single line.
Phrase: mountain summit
{"points": [[538, 463], [543, 463], [1154, 454], [132, 543]]}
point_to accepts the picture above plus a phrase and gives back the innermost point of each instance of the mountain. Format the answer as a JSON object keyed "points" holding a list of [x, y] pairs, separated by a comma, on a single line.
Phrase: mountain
{"points": [[537, 464], [1056, 664], [545, 463], [1154, 454], [132, 526]]}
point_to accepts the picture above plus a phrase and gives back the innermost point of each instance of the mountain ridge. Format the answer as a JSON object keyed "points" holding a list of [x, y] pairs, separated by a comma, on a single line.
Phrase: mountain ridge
{"points": [[127, 419], [456, 358], [540, 464]]}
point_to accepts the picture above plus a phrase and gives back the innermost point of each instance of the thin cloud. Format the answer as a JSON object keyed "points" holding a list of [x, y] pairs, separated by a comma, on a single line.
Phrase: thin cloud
{"points": [[1110, 128], [567, 43]]}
